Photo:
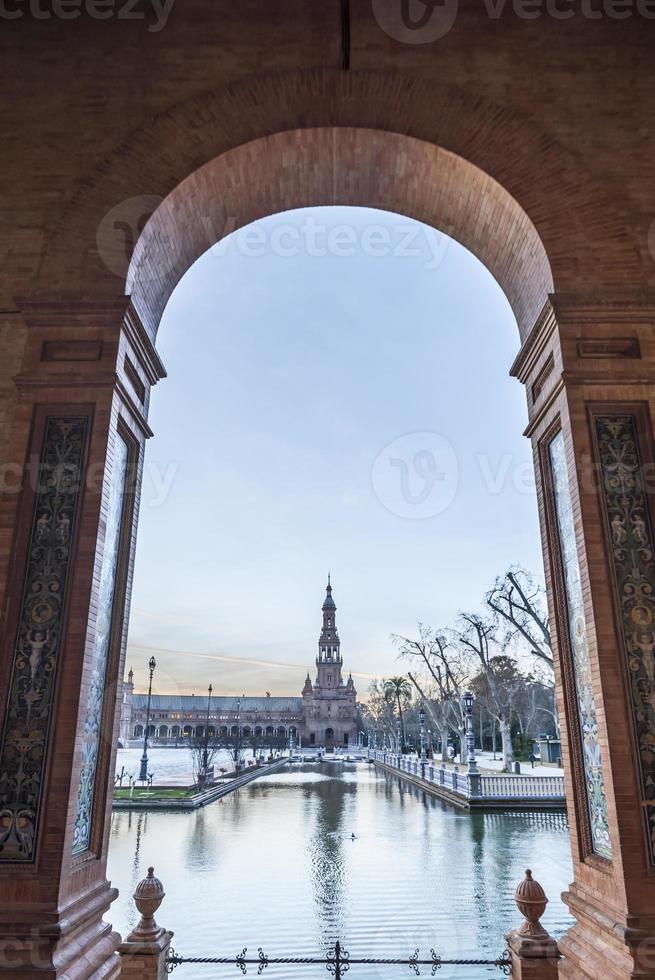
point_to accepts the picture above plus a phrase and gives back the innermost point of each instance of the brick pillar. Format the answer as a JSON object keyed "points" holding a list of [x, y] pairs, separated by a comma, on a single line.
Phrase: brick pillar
{"points": [[589, 369], [534, 954], [143, 954], [67, 519]]}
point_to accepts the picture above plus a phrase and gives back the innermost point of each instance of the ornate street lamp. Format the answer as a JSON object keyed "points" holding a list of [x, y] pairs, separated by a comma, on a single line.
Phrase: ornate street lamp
{"points": [[237, 752], [421, 719], [205, 752], [468, 701], [143, 774]]}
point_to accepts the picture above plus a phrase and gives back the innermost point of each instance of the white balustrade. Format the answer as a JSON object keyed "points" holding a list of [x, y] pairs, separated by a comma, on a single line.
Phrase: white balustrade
{"points": [[496, 786]]}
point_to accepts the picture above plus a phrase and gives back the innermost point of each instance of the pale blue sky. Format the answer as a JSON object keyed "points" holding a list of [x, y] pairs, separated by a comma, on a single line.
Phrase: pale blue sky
{"points": [[338, 398]]}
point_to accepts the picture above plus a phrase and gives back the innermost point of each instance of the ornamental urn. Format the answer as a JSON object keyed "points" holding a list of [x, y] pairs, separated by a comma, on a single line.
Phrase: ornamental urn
{"points": [[531, 901], [148, 897]]}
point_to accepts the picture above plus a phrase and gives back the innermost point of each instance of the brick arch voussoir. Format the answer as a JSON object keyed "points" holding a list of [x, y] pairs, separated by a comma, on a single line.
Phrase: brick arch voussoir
{"points": [[585, 238]]}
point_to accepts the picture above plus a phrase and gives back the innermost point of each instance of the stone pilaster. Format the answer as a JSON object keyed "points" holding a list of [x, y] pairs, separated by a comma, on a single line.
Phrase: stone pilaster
{"points": [[589, 368], [67, 531]]}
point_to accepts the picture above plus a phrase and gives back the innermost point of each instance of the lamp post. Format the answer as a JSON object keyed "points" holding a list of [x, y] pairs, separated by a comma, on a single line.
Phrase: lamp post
{"points": [[205, 752], [399, 742], [237, 747], [143, 774], [421, 719], [468, 700]]}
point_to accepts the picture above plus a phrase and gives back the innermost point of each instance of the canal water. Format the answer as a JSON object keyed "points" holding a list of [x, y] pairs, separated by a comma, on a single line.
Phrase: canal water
{"points": [[276, 865]]}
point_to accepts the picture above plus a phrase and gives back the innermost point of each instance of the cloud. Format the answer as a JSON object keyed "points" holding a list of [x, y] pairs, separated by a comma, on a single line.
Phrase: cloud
{"points": [[223, 658]]}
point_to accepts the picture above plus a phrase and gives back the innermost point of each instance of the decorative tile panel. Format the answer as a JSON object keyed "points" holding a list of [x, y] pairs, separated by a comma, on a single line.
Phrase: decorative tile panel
{"points": [[95, 702], [25, 733], [577, 627], [631, 547]]}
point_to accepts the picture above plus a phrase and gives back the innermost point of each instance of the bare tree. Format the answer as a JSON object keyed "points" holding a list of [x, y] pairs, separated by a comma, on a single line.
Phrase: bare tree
{"points": [[378, 713], [518, 602], [204, 750], [477, 639], [448, 672]]}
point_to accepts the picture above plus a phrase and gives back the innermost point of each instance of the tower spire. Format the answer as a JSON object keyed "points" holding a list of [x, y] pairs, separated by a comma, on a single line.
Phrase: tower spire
{"points": [[328, 642]]}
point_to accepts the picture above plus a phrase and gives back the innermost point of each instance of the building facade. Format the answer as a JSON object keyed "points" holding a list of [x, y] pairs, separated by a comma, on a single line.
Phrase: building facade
{"points": [[324, 715]]}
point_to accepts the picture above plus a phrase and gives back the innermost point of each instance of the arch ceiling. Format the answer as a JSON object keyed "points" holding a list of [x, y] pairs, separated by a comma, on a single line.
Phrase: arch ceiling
{"points": [[503, 188], [345, 166]]}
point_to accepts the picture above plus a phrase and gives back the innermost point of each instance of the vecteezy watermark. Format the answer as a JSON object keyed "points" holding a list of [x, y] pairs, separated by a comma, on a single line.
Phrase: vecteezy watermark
{"points": [[158, 480], [403, 239], [416, 475], [425, 21], [415, 21], [155, 12], [120, 228], [122, 225]]}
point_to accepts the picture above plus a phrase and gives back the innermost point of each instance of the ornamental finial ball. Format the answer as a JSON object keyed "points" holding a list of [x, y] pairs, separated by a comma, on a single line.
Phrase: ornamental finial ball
{"points": [[148, 896], [531, 901]]}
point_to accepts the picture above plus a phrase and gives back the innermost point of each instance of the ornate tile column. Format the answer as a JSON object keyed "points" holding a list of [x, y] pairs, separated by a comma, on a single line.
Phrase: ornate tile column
{"points": [[68, 515], [589, 369]]}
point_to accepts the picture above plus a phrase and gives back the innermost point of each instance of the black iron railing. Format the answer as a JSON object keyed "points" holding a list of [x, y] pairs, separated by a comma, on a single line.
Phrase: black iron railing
{"points": [[336, 961]]}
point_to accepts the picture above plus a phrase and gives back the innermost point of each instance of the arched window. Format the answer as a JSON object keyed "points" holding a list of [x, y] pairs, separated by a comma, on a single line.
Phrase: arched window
{"points": [[163, 731], [138, 731]]}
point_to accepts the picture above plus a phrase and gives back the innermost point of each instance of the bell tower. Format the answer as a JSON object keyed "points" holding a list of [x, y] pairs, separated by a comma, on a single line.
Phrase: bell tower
{"points": [[328, 661]]}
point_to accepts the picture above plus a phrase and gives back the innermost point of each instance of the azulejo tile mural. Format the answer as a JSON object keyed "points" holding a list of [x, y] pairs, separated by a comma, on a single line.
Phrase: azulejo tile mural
{"points": [[631, 547], [577, 626], [93, 718], [34, 669]]}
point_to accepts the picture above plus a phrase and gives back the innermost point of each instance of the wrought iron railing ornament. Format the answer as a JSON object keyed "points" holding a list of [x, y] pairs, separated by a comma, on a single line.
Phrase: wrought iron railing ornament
{"points": [[336, 960]]}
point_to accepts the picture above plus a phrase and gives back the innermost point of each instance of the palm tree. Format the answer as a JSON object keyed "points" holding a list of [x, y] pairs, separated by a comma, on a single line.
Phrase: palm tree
{"points": [[396, 689]]}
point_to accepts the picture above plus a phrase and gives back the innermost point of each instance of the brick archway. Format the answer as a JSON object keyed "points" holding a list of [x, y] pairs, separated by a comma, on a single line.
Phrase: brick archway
{"points": [[382, 139], [575, 268], [339, 165]]}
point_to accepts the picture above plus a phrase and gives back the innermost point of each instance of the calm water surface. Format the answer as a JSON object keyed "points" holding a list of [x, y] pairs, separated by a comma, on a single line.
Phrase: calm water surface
{"points": [[274, 865]]}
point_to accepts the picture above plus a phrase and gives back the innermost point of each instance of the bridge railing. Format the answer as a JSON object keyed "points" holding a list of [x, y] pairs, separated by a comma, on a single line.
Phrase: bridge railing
{"points": [[146, 954], [494, 786]]}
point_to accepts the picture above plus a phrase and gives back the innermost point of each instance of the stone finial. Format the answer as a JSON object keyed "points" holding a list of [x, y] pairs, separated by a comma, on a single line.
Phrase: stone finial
{"points": [[148, 896], [531, 902], [533, 953]]}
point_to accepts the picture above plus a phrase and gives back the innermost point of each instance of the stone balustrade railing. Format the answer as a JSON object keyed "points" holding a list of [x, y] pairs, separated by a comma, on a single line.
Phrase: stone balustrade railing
{"points": [[146, 953], [496, 786]]}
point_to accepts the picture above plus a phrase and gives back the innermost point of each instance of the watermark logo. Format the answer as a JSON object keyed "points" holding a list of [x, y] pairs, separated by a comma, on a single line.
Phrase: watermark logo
{"points": [[426, 21], [155, 12], [416, 476], [119, 231], [312, 237], [415, 21]]}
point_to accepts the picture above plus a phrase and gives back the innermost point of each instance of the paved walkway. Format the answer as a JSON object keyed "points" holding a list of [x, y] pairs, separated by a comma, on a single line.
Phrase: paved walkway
{"points": [[487, 763]]}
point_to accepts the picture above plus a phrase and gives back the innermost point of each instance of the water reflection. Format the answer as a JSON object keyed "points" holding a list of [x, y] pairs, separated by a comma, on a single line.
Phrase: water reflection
{"points": [[276, 865]]}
